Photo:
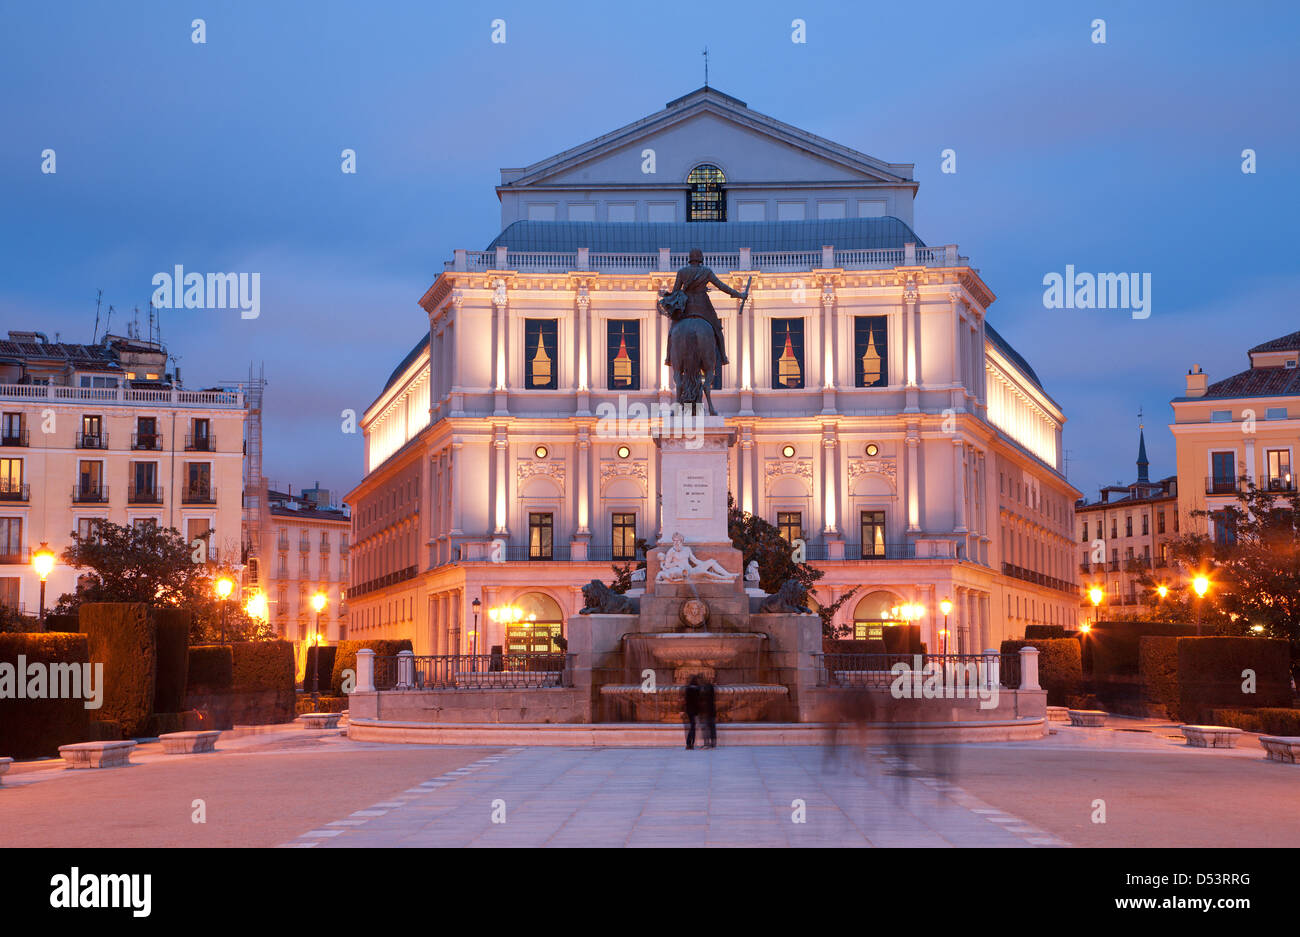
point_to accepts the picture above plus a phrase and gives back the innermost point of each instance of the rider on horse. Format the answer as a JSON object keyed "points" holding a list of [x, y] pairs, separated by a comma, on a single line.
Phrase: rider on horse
{"points": [[693, 280]]}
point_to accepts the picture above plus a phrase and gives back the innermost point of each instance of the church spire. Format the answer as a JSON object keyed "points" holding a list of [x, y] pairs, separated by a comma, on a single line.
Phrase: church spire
{"points": [[1143, 474]]}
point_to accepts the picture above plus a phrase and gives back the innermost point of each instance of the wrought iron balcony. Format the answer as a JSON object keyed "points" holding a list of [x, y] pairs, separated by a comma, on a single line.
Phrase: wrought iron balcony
{"points": [[1282, 482], [200, 443], [199, 494], [14, 438], [12, 491], [89, 494], [147, 495], [148, 441], [1220, 485], [92, 440]]}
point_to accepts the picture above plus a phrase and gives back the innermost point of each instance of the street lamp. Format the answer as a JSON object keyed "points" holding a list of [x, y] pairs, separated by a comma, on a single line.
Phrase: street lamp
{"points": [[225, 585], [318, 603], [475, 605], [256, 607], [1096, 594], [946, 607], [1200, 585], [1162, 590], [43, 563]]}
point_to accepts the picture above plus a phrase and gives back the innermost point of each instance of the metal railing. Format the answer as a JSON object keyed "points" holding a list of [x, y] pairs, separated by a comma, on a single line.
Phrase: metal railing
{"points": [[199, 494], [92, 440], [379, 582], [151, 495], [1219, 485], [882, 670], [89, 494], [1041, 579], [149, 441], [1285, 482], [15, 491], [474, 671], [19, 438], [202, 443]]}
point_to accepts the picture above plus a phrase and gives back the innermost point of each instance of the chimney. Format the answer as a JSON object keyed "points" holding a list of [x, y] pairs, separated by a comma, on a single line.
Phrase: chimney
{"points": [[1196, 382]]}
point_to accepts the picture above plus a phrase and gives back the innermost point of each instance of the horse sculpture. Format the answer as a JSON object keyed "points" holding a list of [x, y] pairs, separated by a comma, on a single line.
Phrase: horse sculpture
{"points": [[693, 354]]}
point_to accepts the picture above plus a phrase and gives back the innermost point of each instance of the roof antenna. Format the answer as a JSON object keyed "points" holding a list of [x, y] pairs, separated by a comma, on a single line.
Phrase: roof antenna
{"points": [[705, 53], [99, 296]]}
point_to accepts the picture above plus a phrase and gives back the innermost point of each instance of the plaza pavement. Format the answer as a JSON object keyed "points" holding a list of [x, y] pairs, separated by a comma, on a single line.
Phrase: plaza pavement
{"points": [[314, 789]]}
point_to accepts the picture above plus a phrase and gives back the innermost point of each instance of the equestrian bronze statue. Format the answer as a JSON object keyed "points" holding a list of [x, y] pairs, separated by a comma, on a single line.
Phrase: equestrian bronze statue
{"points": [[695, 345]]}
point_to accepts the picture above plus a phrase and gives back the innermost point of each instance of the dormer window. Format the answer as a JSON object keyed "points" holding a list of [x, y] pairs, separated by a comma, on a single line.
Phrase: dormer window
{"points": [[1291, 363], [705, 199]]}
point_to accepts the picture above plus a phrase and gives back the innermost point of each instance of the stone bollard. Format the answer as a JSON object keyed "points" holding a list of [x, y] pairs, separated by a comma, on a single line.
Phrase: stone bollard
{"points": [[992, 668], [405, 670], [365, 671], [1029, 668]]}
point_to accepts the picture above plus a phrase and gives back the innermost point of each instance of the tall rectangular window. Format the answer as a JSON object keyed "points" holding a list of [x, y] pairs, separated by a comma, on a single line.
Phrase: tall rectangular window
{"points": [[1160, 522], [541, 533], [1279, 470], [1146, 524], [11, 539], [11, 478], [790, 524], [12, 434], [870, 351], [624, 536], [1223, 472], [1085, 531], [623, 354], [541, 354], [873, 534], [787, 354]]}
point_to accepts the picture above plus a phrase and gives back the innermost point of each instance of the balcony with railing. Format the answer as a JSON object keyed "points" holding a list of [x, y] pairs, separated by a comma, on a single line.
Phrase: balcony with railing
{"points": [[1284, 482], [15, 491], [199, 494], [1037, 578], [667, 261], [129, 396], [89, 494], [304, 545], [282, 544], [379, 582], [92, 440], [144, 494], [147, 441], [15, 438], [204, 442], [1224, 485]]}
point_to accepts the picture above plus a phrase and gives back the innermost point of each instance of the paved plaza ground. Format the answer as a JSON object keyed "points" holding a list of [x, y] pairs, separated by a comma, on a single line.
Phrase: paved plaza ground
{"points": [[313, 789]]}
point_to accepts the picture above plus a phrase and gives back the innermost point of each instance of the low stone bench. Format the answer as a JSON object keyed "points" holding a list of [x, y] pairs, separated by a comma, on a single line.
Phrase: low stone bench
{"points": [[4, 764], [1281, 748], [320, 720], [97, 754], [1086, 717], [1058, 714], [1210, 736], [182, 743]]}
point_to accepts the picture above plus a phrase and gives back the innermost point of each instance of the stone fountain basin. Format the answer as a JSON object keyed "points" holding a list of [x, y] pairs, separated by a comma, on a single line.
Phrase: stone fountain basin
{"points": [[705, 648], [734, 702]]}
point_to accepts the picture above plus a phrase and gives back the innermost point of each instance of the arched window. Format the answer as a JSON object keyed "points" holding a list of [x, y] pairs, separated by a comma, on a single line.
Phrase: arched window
{"points": [[706, 201]]}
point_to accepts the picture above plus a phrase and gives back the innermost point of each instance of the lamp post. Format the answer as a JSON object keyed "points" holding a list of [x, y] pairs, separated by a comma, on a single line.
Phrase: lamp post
{"points": [[946, 607], [1200, 585], [1096, 594], [43, 563], [225, 585], [475, 605], [318, 603]]}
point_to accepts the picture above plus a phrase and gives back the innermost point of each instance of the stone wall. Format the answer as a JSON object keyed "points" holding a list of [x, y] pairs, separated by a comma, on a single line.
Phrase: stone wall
{"points": [[548, 705]]}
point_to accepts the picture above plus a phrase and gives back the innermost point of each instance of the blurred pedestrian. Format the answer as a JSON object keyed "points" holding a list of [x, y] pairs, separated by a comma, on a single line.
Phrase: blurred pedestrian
{"points": [[709, 710], [691, 712]]}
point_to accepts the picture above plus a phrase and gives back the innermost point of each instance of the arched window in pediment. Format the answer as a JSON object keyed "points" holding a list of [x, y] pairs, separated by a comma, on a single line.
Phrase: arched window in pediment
{"points": [[706, 200]]}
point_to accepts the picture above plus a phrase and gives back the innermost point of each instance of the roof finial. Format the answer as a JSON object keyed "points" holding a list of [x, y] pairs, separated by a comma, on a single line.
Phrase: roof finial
{"points": [[706, 66]]}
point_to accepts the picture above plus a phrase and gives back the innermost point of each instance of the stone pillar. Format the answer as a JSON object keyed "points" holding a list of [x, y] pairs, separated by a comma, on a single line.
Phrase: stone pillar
{"points": [[1029, 668], [913, 481], [455, 459], [584, 496], [830, 502], [501, 382], [405, 670], [501, 509], [365, 671], [959, 486]]}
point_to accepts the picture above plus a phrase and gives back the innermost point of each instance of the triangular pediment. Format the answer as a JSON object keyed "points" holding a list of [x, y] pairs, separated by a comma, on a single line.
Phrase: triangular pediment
{"points": [[708, 126]]}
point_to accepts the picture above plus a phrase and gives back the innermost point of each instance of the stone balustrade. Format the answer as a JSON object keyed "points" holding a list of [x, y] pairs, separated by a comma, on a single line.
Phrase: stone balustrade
{"points": [[97, 754], [1086, 717], [1211, 736], [1284, 748], [182, 743]]}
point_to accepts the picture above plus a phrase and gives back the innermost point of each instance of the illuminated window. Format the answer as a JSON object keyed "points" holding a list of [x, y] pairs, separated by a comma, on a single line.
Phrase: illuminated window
{"points": [[787, 354], [790, 524], [624, 536], [706, 199], [870, 351], [873, 534], [623, 354], [541, 532], [541, 364]]}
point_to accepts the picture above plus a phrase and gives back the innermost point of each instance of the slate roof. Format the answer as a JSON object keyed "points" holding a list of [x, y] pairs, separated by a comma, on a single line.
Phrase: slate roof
{"points": [[634, 237], [1005, 347], [411, 355], [1285, 343], [1258, 382]]}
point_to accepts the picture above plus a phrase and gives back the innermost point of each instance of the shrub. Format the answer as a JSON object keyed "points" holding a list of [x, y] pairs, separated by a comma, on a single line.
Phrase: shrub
{"points": [[322, 658], [266, 666], [1264, 721], [1210, 674], [1113, 645], [33, 727], [104, 730], [326, 704], [345, 658], [902, 639], [1158, 670], [1060, 666], [55, 622], [1043, 632], [211, 668], [123, 636], [173, 658]]}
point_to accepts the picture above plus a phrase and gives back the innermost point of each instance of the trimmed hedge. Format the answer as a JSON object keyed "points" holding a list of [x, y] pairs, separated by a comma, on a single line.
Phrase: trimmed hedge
{"points": [[1158, 671], [345, 658], [105, 730], [321, 657], [326, 704], [173, 657], [1263, 721], [1210, 675], [211, 668], [123, 636], [266, 666], [66, 622], [1043, 632], [30, 728], [1060, 666], [1113, 646]]}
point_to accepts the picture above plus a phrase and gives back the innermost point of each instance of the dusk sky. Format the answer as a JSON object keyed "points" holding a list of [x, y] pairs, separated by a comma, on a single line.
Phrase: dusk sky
{"points": [[226, 157]]}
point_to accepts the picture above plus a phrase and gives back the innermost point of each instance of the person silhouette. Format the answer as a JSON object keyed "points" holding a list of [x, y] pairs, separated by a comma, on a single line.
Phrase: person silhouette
{"points": [[709, 711], [691, 711]]}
